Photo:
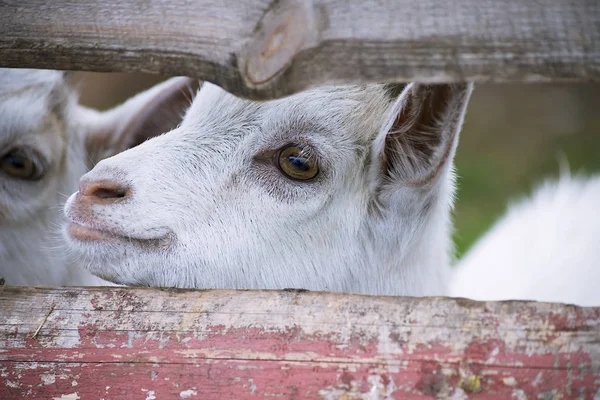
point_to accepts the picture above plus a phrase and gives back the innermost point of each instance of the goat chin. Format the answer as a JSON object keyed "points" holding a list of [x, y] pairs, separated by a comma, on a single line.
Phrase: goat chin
{"points": [[545, 248]]}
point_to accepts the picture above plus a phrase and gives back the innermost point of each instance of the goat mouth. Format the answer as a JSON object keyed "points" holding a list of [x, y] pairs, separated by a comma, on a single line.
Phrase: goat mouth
{"points": [[87, 234]]}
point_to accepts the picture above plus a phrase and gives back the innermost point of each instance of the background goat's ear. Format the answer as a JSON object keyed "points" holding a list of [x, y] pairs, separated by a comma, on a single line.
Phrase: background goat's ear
{"points": [[69, 76], [146, 115], [420, 135]]}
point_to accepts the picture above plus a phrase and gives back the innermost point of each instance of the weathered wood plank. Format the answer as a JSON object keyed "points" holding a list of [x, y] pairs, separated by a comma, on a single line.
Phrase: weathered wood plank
{"points": [[153, 343], [263, 49]]}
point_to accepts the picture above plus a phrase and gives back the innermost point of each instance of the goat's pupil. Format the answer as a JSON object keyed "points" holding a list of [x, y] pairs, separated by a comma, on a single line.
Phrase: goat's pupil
{"points": [[16, 161], [300, 163]]}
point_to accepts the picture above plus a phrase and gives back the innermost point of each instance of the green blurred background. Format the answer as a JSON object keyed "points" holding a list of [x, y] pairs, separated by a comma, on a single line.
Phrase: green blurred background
{"points": [[514, 136]]}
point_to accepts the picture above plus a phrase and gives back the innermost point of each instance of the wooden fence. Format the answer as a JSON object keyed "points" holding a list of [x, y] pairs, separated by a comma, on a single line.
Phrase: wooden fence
{"points": [[112, 343], [264, 48], [117, 343]]}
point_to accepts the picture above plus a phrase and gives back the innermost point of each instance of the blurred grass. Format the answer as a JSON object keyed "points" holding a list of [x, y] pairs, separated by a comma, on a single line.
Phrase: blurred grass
{"points": [[514, 136]]}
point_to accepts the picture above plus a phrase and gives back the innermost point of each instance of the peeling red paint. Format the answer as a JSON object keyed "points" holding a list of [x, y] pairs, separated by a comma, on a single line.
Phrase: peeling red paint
{"points": [[481, 351], [432, 380], [136, 343]]}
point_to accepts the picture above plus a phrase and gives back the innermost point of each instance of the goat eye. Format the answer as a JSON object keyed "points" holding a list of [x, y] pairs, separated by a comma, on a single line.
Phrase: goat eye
{"points": [[296, 163], [19, 164]]}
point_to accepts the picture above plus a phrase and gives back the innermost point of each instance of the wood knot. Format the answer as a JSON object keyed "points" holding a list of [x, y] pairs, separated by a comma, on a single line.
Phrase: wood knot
{"points": [[285, 30]]}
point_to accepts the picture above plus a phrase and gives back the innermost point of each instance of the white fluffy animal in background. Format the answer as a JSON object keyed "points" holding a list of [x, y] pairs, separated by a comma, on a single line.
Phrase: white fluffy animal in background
{"points": [[47, 142], [546, 248]]}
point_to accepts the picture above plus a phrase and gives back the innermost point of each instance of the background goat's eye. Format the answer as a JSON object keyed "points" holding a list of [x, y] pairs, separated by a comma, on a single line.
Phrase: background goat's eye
{"points": [[19, 164], [296, 163]]}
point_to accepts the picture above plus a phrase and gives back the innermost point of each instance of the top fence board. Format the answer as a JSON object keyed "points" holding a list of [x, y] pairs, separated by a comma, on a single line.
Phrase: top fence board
{"points": [[264, 49]]}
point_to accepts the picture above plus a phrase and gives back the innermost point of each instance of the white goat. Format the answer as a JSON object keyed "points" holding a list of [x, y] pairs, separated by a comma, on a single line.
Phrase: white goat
{"points": [[338, 188], [546, 248], [47, 141]]}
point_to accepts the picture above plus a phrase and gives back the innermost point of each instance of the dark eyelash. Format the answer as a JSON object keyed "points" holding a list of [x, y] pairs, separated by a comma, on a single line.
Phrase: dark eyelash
{"points": [[269, 155]]}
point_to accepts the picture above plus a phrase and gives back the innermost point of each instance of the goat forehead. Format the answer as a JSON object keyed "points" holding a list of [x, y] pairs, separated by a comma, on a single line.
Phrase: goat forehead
{"points": [[14, 81], [340, 110], [25, 99], [23, 115], [34, 103]]}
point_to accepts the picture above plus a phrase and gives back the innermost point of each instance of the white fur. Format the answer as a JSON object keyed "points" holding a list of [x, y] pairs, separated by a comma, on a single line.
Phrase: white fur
{"points": [[39, 112], [203, 211], [546, 248], [34, 108]]}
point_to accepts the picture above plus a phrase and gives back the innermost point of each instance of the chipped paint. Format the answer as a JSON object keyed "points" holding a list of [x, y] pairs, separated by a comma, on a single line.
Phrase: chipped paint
{"points": [[165, 343], [510, 381], [72, 396], [252, 386], [458, 394], [518, 394], [48, 379], [378, 388], [186, 394]]}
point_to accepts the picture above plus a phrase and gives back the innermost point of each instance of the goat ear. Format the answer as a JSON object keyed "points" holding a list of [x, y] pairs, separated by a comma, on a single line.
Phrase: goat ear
{"points": [[69, 76], [146, 115], [420, 135]]}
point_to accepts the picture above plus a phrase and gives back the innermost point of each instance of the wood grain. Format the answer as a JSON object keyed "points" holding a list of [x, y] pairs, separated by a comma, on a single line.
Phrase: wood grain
{"points": [[216, 344], [264, 49]]}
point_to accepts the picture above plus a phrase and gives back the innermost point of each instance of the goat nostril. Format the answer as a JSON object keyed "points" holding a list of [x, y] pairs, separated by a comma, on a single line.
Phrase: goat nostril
{"points": [[102, 190], [104, 193]]}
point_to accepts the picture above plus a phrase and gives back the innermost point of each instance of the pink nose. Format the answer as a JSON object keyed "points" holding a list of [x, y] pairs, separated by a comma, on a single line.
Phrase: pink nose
{"points": [[102, 191]]}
